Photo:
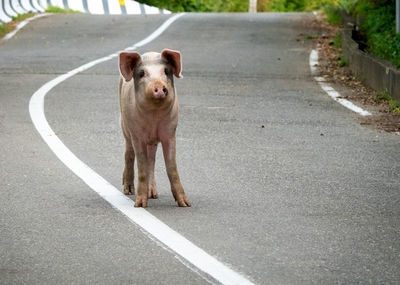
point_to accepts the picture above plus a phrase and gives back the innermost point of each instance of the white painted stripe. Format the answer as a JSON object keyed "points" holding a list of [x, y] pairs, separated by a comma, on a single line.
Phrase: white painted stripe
{"points": [[313, 62], [21, 25], [76, 5], [27, 5], [3, 17], [114, 7], [96, 7], [132, 7], [8, 9], [36, 6], [43, 3], [17, 7], [156, 228], [151, 10], [57, 3]]}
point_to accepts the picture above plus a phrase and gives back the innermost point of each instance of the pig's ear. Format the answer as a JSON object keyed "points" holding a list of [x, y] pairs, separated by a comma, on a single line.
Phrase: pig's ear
{"points": [[128, 61], [173, 58]]}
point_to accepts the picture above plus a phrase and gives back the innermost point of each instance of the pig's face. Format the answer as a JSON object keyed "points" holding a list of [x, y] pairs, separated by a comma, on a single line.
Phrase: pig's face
{"points": [[152, 74], [153, 78]]}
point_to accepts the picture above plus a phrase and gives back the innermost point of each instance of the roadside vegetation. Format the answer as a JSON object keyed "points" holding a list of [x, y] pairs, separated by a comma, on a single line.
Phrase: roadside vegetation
{"points": [[53, 9], [384, 97], [376, 34], [238, 5], [376, 17], [5, 28], [200, 5], [376, 23]]}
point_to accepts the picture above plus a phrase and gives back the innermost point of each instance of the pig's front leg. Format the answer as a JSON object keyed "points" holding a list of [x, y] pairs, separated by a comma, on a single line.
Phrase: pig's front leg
{"points": [[151, 183], [127, 178], [143, 166], [169, 150]]}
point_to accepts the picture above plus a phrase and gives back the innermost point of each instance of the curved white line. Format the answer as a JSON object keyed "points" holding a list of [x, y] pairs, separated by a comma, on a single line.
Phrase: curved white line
{"points": [[156, 228], [313, 61], [23, 24]]}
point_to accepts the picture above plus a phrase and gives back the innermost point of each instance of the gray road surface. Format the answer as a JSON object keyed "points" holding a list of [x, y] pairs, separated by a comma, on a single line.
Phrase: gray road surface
{"points": [[286, 186]]}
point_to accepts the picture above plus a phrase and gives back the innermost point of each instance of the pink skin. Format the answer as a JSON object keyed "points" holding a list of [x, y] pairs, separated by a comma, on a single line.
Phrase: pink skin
{"points": [[149, 115]]}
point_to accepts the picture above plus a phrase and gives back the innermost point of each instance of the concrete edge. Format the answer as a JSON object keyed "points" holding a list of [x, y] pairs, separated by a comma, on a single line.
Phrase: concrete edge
{"points": [[375, 72]]}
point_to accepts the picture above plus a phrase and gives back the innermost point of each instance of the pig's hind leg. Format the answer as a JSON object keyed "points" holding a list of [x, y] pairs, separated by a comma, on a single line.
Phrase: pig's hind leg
{"points": [[169, 149], [151, 183], [128, 176]]}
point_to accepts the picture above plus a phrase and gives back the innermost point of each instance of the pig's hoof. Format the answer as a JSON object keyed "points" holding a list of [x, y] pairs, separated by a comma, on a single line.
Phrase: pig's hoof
{"points": [[141, 201], [183, 201], [152, 194], [129, 189]]}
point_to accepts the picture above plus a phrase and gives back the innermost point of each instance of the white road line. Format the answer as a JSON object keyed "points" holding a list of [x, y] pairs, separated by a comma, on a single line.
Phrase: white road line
{"points": [[149, 223], [22, 24], [313, 61]]}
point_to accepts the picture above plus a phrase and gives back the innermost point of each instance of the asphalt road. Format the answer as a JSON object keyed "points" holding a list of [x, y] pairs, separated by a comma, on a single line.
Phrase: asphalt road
{"points": [[286, 186]]}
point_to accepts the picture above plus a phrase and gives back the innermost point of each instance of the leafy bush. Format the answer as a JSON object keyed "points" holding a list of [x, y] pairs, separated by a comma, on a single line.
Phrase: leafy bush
{"points": [[332, 15], [292, 5], [288, 5], [377, 25], [380, 32]]}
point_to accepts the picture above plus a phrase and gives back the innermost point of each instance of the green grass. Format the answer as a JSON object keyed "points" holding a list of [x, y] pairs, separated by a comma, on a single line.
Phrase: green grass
{"points": [[343, 61], [5, 28], [52, 9], [333, 16], [394, 106], [21, 17], [337, 40], [238, 5], [384, 96], [200, 5], [376, 25], [379, 30], [381, 97]]}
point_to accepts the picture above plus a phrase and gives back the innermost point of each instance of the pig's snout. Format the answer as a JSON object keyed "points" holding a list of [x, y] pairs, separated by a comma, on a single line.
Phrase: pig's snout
{"points": [[158, 90]]}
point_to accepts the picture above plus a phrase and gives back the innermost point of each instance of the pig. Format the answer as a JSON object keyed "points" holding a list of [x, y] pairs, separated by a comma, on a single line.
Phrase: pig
{"points": [[149, 115]]}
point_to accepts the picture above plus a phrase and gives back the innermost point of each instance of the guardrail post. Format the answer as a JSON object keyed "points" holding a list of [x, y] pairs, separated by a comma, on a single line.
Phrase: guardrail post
{"points": [[253, 6]]}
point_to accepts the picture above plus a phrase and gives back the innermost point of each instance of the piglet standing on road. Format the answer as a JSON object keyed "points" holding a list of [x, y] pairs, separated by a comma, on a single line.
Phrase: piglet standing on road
{"points": [[149, 115]]}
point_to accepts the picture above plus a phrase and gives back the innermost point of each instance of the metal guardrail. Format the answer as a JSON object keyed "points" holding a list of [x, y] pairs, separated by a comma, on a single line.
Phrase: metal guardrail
{"points": [[11, 8]]}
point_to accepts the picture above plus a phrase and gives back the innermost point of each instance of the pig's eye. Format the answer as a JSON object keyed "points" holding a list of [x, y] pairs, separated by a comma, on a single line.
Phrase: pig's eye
{"points": [[166, 71], [141, 73]]}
